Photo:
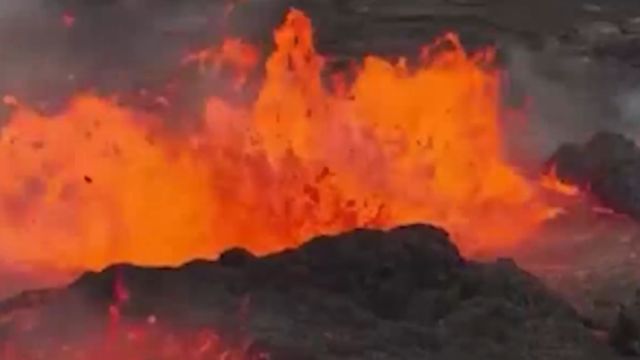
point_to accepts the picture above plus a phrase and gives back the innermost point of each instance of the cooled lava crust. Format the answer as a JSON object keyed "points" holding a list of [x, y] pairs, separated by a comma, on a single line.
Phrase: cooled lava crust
{"points": [[406, 293]]}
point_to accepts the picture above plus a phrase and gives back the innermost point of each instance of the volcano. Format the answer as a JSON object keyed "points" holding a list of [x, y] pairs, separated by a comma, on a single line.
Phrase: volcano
{"points": [[105, 181], [309, 193]]}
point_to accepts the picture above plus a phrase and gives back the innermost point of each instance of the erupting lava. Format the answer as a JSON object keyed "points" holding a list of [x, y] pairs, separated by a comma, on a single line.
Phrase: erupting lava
{"points": [[102, 183]]}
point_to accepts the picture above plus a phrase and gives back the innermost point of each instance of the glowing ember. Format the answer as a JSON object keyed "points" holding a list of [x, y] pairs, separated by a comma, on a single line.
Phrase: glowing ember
{"points": [[234, 53], [68, 20], [100, 183]]}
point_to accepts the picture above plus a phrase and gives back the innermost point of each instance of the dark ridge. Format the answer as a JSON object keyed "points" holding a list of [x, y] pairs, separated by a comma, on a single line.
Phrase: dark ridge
{"points": [[406, 293]]}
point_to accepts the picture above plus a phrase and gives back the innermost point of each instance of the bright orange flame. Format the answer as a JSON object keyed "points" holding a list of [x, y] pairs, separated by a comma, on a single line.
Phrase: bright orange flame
{"points": [[79, 182], [101, 183]]}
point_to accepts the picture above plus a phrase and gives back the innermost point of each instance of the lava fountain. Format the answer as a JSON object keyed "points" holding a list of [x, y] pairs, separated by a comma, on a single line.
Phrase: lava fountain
{"points": [[101, 182]]}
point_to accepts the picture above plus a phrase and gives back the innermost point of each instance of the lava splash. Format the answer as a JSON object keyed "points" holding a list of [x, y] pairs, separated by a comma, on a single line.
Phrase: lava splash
{"points": [[101, 182]]}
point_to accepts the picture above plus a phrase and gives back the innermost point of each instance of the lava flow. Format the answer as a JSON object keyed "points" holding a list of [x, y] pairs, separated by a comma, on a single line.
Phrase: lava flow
{"points": [[121, 338], [101, 183]]}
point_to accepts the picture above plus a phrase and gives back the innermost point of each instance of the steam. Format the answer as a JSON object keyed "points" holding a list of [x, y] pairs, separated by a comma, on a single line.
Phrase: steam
{"points": [[629, 105], [567, 96], [113, 46], [31, 54]]}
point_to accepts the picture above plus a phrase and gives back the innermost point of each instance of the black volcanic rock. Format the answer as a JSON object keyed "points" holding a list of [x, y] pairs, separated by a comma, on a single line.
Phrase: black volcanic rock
{"points": [[608, 166], [625, 334], [406, 293], [235, 257]]}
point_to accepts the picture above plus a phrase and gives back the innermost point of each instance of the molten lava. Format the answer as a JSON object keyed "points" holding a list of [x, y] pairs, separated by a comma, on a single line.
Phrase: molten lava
{"points": [[124, 339], [551, 182], [101, 183]]}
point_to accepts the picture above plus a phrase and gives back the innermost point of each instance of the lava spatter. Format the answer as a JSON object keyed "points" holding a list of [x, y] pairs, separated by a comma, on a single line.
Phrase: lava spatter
{"points": [[398, 144]]}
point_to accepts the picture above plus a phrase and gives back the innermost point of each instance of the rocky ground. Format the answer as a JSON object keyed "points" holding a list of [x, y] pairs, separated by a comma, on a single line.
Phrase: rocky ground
{"points": [[607, 166], [402, 294]]}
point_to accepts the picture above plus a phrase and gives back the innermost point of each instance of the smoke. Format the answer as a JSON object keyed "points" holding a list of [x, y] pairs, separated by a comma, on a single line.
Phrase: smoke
{"points": [[629, 105], [30, 52], [51, 49], [44, 58], [566, 96], [569, 97], [122, 46]]}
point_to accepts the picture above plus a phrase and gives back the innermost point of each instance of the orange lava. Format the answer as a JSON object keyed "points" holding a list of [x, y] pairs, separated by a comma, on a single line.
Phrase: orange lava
{"points": [[100, 183], [551, 182]]}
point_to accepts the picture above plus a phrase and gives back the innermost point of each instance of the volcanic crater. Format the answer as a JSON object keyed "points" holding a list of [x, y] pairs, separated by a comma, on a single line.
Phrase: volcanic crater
{"points": [[340, 191]]}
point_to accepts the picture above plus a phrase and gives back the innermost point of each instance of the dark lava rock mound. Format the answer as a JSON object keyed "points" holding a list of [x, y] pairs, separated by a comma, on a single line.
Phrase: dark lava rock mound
{"points": [[366, 294], [608, 166]]}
